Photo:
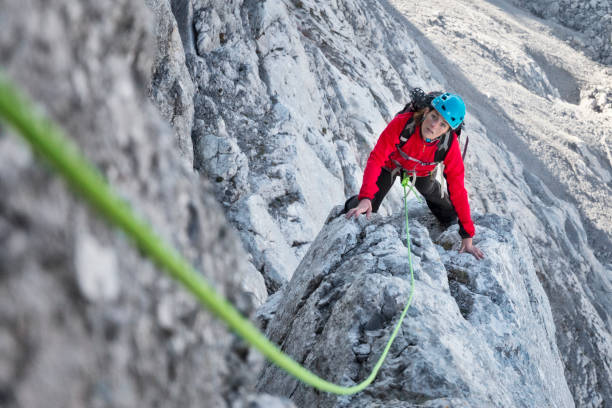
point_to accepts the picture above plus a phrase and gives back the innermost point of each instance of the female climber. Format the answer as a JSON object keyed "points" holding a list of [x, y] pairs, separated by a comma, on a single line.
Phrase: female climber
{"points": [[413, 143]]}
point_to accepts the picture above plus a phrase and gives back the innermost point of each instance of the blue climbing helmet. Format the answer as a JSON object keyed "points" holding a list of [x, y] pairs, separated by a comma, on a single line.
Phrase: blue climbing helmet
{"points": [[451, 107]]}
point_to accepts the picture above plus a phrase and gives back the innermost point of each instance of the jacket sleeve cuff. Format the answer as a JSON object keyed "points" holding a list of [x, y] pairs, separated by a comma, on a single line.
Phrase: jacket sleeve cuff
{"points": [[463, 233]]}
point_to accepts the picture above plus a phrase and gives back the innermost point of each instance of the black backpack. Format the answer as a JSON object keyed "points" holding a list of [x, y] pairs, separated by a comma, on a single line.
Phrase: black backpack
{"points": [[420, 100]]}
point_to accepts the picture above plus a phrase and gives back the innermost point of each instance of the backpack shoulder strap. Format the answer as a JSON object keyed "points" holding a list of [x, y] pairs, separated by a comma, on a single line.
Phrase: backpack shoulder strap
{"points": [[443, 147], [445, 144], [406, 132]]}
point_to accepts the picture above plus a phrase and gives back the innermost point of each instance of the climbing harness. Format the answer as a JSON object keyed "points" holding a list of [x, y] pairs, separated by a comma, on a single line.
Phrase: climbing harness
{"points": [[48, 141], [406, 182]]}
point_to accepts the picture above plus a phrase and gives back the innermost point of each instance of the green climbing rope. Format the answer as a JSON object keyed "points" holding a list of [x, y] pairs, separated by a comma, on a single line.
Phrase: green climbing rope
{"points": [[48, 141]]}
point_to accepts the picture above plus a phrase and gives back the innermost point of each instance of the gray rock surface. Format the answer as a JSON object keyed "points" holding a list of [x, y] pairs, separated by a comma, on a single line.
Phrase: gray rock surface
{"points": [[171, 87], [290, 93], [264, 401], [282, 102], [85, 319], [551, 176], [544, 163], [576, 283], [476, 334], [592, 21]]}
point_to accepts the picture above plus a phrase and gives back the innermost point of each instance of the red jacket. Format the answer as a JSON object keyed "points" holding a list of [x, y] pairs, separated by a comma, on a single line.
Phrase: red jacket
{"points": [[385, 154]]}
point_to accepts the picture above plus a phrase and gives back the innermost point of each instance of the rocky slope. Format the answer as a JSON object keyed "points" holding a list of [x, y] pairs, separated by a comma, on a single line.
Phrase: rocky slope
{"points": [[477, 333], [295, 93], [592, 21], [85, 320], [502, 59], [290, 95], [276, 105]]}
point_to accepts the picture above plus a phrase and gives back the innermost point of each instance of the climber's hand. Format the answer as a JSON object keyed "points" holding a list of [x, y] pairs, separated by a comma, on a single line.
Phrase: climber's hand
{"points": [[364, 206], [466, 246]]}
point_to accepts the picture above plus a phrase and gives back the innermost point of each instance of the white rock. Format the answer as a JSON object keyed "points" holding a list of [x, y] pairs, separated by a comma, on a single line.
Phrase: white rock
{"points": [[96, 269], [253, 284], [491, 333]]}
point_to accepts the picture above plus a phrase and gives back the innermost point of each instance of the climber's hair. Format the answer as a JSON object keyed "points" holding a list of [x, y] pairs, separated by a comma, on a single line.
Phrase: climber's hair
{"points": [[419, 115]]}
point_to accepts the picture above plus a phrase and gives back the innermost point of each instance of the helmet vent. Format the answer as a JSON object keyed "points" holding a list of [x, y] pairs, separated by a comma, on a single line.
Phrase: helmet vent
{"points": [[451, 107]]}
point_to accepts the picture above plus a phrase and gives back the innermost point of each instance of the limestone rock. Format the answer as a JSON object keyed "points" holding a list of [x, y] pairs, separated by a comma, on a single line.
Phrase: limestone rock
{"points": [[85, 318], [171, 87], [284, 109], [478, 333], [591, 18], [96, 268]]}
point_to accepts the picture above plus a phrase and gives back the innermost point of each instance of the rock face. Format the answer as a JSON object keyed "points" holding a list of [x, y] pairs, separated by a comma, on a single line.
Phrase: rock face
{"points": [[171, 87], [476, 334], [591, 19], [280, 141], [278, 104], [85, 320], [575, 281], [290, 93], [545, 174]]}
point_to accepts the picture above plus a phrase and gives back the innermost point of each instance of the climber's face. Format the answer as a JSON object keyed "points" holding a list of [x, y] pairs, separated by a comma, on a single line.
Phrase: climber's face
{"points": [[433, 125]]}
